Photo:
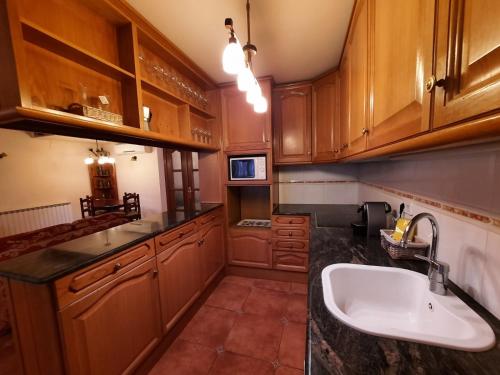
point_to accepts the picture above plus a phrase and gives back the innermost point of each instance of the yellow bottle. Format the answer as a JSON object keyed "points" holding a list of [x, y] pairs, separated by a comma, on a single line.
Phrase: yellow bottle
{"points": [[401, 225]]}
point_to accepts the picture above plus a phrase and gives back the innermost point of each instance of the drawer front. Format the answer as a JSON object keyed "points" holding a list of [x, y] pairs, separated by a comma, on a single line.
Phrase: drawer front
{"points": [[290, 261], [76, 285], [290, 245], [291, 232], [167, 239], [210, 217], [288, 220]]}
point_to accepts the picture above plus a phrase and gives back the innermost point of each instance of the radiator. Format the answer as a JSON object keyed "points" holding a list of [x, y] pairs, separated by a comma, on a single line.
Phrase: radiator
{"points": [[28, 219]]}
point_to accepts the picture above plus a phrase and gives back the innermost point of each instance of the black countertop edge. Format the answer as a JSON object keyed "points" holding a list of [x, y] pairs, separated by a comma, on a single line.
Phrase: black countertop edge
{"points": [[334, 348], [49, 264]]}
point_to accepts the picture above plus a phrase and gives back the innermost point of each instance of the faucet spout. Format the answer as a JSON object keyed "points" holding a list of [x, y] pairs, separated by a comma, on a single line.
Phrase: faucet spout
{"points": [[438, 271]]}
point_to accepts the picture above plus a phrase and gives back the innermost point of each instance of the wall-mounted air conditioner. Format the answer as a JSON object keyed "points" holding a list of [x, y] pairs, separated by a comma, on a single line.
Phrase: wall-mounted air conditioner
{"points": [[129, 149]]}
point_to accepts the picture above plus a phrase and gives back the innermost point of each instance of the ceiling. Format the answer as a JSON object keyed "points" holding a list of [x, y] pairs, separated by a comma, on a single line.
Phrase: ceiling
{"points": [[296, 39]]}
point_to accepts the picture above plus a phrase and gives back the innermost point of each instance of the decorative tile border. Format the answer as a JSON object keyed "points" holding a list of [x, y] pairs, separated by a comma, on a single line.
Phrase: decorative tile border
{"points": [[444, 206]]}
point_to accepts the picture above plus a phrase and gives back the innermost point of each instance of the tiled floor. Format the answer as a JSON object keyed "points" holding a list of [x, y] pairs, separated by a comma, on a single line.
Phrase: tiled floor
{"points": [[246, 326]]}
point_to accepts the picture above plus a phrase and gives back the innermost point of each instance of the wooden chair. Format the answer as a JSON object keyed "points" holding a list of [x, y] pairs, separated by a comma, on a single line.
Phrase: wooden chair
{"points": [[132, 206], [87, 206]]}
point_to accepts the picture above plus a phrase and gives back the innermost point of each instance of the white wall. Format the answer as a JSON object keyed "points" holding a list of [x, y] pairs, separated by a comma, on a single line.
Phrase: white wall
{"points": [[143, 177], [319, 184], [42, 171]]}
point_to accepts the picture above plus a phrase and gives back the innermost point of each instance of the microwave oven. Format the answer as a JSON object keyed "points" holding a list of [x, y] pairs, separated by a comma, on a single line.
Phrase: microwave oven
{"points": [[247, 168]]}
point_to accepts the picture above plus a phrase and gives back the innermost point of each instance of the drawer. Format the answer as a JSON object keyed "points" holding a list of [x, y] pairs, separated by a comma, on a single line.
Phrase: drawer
{"points": [[291, 232], [210, 217], [76, 285], [290, 245], [288, 220], [290, 261], [167, 239]]}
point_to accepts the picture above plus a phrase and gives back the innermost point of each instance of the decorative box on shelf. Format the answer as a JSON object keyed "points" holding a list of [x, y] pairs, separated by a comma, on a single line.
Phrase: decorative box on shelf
{"points": [[95, 113]]}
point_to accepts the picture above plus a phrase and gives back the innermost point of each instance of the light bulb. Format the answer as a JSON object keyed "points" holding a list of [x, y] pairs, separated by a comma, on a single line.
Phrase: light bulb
{"points": [[254, 92], [233, 59], [111, 160], [102, 160], [245, 79], [260, 105], [89, 160]]}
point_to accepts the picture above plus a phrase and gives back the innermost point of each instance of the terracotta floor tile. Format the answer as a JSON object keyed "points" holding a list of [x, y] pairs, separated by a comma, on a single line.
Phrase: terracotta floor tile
{"points": [[296, 310], [266, 303], [234, 364], [229, 296], [244, 281], [299, 288], [185, 358], [255, 336], [279, 286], [293, 346], [209, 327], [283, 370]]}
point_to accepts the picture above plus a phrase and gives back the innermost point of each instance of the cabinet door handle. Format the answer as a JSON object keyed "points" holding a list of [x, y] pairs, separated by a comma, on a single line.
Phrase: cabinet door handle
{"points": [[117, 267], [432, 82], [364, 131], [201, 242], [155, 273]]}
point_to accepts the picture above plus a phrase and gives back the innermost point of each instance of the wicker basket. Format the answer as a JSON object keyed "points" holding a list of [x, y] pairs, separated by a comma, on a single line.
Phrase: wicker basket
{"points": [[396, 251]]}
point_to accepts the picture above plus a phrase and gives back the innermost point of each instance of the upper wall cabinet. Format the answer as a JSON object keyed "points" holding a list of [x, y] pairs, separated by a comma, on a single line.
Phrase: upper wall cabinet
{"points": [[468, 61], [326, 117], [401, 57], [243, 128], [357, 79], [292, 124]]}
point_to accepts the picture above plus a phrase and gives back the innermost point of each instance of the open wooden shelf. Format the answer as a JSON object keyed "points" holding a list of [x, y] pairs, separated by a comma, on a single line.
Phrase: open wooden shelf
{"points": [[57, 122], [47, 40], [167, 95]]}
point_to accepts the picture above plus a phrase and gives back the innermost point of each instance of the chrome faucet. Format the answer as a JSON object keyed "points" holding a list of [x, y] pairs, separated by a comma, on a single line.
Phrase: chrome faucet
{"points": [[438, 271]]}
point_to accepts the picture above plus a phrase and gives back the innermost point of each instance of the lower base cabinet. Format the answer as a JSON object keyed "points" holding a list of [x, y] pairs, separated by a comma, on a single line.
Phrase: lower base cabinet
{"points": [[212, 250], [112, 330], [179, 279], [250, 247], [290, 261]]}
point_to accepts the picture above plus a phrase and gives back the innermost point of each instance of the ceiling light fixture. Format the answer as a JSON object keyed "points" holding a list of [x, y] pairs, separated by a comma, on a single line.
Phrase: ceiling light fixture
{"points": [[238, 61], [100, 155]]}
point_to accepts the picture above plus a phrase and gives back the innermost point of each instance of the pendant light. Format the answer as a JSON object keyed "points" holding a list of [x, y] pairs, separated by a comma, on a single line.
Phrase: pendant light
{"points": [[241, 64], [100, 155]]}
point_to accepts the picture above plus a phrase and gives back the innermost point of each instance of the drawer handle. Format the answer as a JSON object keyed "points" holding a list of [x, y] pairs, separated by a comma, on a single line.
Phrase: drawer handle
{"points": [[201, 242], [290, 234], [290, 222], [117, 267], [181, 234]]}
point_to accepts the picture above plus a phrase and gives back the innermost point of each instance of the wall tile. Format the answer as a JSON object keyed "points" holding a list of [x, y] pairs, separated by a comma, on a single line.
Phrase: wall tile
{"points": [[490, 289]]}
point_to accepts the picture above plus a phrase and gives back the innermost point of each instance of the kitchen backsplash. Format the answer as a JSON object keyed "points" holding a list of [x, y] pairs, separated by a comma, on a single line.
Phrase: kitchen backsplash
{"points": [[459, 187]]}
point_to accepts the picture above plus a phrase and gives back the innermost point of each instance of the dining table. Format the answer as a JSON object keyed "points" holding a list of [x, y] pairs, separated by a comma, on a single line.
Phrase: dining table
{"points": [[108, 204]]}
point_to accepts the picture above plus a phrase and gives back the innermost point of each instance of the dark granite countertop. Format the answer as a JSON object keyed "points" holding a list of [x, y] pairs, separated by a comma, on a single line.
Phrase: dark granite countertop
{"points": [[52, 263], [334, 348]]}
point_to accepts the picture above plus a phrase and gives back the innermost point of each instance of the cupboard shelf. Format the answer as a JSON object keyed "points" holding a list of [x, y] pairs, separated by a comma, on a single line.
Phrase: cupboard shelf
{"points": [[166, 95], [45, 39]]}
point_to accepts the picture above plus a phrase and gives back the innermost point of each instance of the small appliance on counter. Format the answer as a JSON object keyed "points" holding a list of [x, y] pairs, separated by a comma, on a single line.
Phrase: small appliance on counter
{"points": [[247, 168], [373, 218]]}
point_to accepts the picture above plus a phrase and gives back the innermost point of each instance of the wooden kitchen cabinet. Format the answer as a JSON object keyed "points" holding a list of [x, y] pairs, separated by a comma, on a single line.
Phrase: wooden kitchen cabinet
{"points": [[112, 330], [344, 103], [468, 59], [326, 118], [401, 57], [292, 124], [250, 247], [179, 279], [212, 250], [243, 128], [290, 261], [357, 79]]}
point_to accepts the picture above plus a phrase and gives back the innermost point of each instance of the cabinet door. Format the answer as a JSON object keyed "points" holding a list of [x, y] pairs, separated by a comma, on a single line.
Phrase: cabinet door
{"points": [[179, 277], [292, 124], [358, 79], [212, 250], [468, 56], [344, 102], [115, 328], [290, 261], [243, 128], [250, 248], [402, 35], [325, 127]]}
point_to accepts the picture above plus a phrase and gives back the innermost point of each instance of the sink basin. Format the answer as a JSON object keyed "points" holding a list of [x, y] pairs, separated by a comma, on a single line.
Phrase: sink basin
{"points": [[396, 303]]}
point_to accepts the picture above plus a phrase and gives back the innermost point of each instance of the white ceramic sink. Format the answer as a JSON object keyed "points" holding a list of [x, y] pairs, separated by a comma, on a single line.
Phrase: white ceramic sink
{"points": [[396, 303]]}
